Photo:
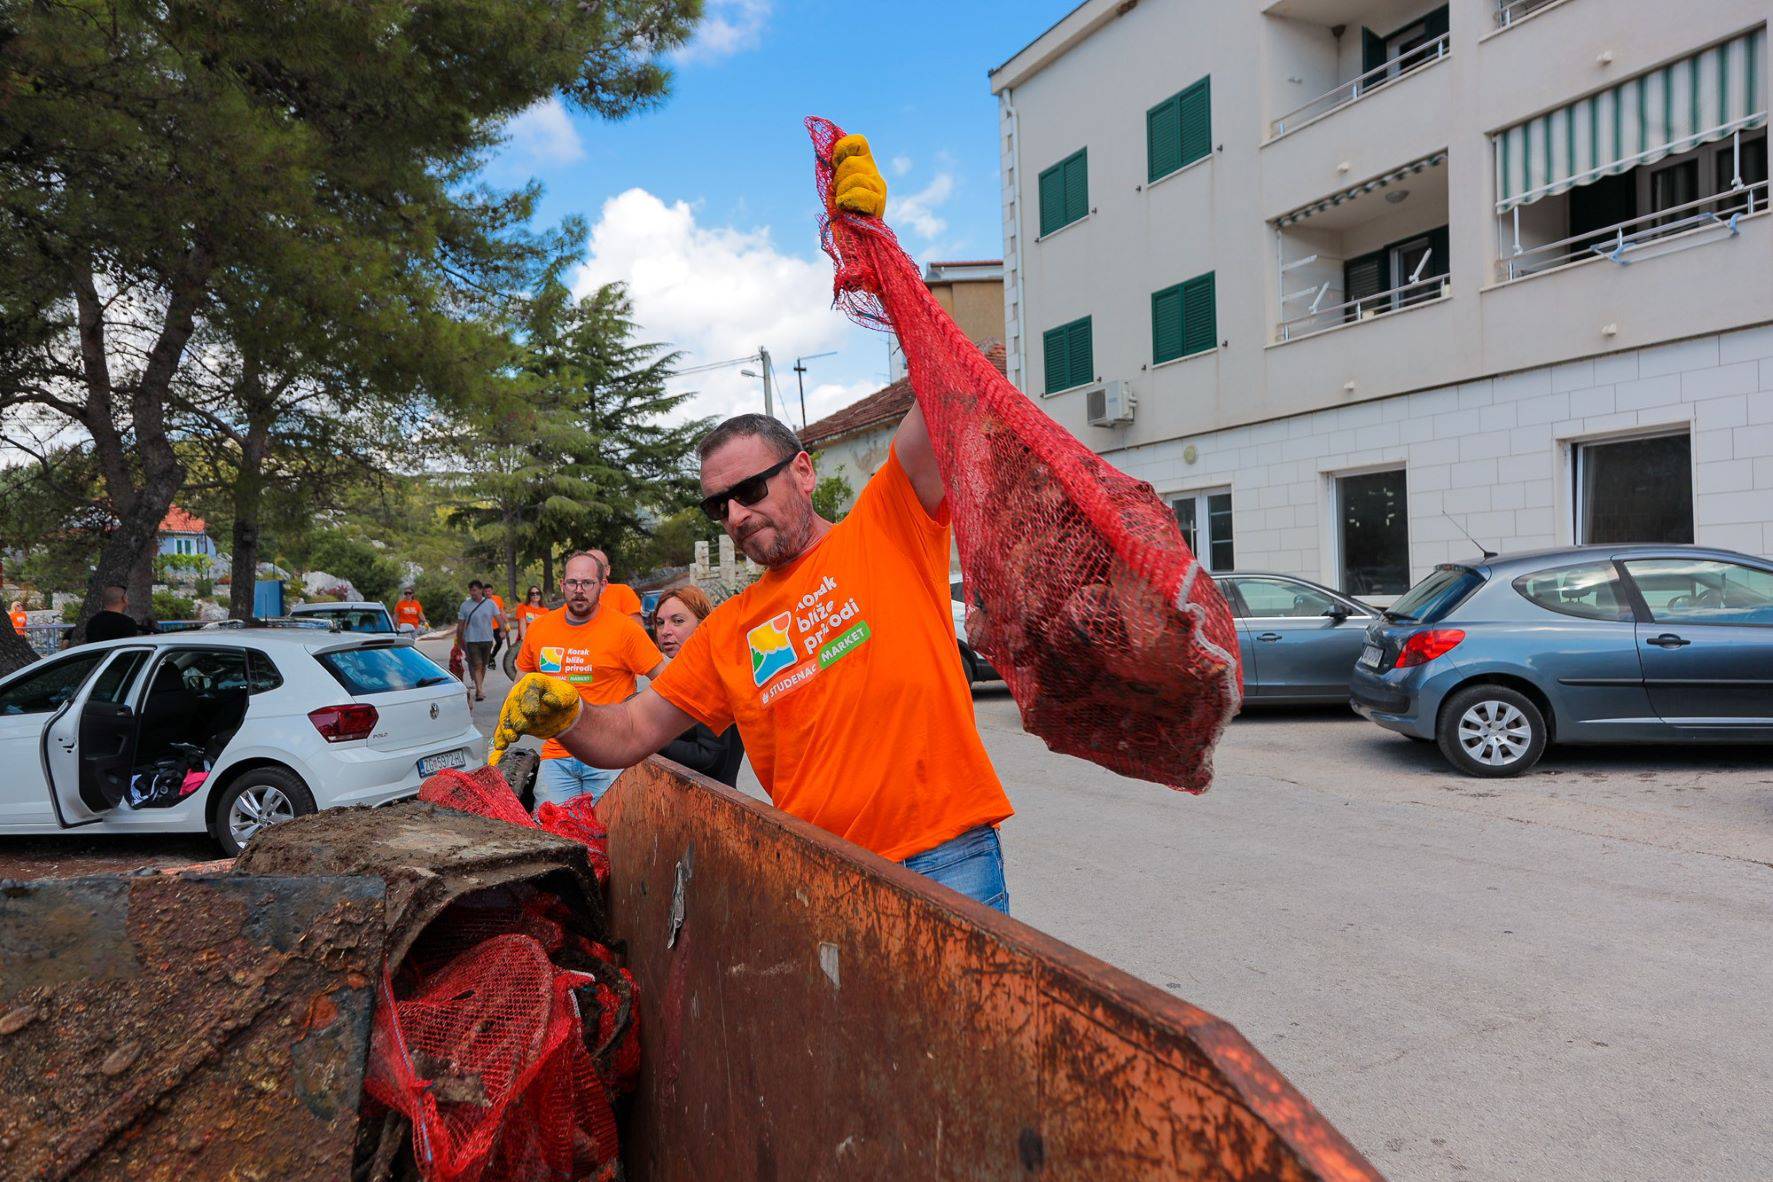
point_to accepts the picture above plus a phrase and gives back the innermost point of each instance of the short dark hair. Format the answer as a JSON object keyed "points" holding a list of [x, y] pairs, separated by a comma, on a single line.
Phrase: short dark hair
{"points": [[473, 583], [772, 431]]}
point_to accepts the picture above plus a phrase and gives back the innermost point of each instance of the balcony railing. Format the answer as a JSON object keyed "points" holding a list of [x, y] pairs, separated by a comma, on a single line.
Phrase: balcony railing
{"points": [[1622, 241], [1510, 11], [1359, 88], [1407, 295]]}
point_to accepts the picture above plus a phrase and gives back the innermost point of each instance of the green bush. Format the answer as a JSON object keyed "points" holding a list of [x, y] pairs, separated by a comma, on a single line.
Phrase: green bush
{"points": [[205, 587], [441, 596], [375, 575], [168, 606]]}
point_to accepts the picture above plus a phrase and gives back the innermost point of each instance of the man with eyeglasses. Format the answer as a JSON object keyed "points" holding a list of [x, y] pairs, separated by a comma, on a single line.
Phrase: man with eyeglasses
{"points": [[839, 665], [595, 653]]}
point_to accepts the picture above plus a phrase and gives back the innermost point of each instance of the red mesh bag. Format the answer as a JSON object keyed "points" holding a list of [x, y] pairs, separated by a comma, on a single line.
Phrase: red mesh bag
{"points": [[487, 1058], [577, 819], [483, 792], [1080, 589]]}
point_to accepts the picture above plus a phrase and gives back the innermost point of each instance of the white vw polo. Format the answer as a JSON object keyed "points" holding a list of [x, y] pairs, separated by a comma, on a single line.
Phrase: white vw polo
{"points": [[224, 731]]}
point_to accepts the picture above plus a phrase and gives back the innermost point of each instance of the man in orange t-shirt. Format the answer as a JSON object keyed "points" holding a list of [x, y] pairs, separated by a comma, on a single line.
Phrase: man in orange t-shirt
{"points": [[19, 619], [597, 653], [409, 610], [619, 597]]}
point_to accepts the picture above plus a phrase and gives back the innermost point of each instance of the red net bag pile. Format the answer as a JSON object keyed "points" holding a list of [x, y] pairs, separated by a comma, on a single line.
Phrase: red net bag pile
{"points": [[1080, 590], [506, 1033]]}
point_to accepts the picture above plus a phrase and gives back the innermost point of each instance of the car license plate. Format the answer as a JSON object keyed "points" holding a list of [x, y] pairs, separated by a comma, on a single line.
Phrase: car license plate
{"points": [[1370, 656], [432, 764]]}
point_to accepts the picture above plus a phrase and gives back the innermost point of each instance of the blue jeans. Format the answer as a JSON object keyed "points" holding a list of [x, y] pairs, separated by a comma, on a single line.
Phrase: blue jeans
{"points": [[971, 864], [566, 778]]}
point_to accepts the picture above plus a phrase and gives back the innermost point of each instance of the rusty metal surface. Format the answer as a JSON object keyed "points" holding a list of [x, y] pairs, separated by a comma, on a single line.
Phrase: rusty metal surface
{"points": [[169, 1028], [429, 857], [812, 1011]]}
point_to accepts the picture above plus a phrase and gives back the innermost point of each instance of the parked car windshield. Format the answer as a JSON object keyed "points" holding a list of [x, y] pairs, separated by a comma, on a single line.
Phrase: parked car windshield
{"points": [[356, 619], [382, 670], [1443, 590]]}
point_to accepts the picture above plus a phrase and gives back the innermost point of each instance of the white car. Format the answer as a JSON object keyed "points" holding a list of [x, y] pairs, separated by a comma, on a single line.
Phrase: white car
{"points": [[286, 722], [363, 615], [976, 666]]}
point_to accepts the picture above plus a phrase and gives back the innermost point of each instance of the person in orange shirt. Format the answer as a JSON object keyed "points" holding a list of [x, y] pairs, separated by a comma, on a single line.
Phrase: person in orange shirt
{"points": [[839, 664], [620, 597], [531, 607], [596, 654], [410, 611], [17, 614]]}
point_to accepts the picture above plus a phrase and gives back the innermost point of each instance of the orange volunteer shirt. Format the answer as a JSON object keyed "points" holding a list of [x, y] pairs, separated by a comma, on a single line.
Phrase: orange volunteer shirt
{"points": [[529, 611], [600, 657], [620, 597], [408, 611], [842, 675], [19, 620]]}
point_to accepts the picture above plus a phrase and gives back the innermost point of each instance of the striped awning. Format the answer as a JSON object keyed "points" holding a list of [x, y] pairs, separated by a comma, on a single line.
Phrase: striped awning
{"points": [[1360, 190], [1699, 99]]}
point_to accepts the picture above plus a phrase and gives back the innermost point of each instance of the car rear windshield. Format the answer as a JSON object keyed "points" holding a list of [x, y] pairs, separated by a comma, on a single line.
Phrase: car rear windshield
{"points": [[382, 670], [1443, 590], [357, 619]]}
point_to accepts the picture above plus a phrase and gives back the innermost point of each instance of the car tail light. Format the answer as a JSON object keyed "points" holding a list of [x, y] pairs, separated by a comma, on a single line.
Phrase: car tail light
{"points": [[341, 724], [1424, 647]]}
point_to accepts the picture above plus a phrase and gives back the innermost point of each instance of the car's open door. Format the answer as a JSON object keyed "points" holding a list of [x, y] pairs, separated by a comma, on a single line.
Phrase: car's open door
{"points": [[90, 747]]}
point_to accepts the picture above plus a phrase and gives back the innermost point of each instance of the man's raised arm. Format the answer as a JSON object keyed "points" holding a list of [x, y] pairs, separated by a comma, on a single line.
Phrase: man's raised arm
{"points": [[615, 736]]}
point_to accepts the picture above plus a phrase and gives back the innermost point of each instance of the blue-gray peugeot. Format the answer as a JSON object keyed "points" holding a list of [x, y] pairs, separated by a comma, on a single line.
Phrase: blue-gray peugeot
{"points": [[1496, 658]]}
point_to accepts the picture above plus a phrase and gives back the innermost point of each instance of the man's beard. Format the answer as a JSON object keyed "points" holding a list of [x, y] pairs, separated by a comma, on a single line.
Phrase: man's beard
{"points": [[789, 540]]}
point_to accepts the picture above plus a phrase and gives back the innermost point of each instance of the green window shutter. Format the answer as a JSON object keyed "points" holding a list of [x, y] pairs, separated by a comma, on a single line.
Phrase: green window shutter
{"points": [[1373, 51], [1195, 116], [1362, 278], [1200, 319], [1077, 186], [1052, 199], [1081, 357], [1166, 324], [1054, 342], [1163, 138]]}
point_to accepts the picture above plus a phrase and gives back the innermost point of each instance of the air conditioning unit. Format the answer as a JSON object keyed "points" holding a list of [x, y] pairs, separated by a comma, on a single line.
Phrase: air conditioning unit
{"points": [[1110, 404]]}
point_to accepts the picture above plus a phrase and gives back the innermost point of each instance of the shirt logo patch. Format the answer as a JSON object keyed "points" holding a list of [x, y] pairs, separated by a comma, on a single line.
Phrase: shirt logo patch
{"points": [[771, 649], [550, 659]]}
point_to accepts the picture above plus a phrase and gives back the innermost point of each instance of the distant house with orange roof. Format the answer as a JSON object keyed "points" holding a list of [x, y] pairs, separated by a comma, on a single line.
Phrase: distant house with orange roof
{"points": [[182, 532]]}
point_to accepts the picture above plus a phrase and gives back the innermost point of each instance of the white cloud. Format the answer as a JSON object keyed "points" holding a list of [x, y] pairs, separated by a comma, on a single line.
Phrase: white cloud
{"points": [[716, 292], [918, 210], [730, 26], [543, 135], [901, 165]]}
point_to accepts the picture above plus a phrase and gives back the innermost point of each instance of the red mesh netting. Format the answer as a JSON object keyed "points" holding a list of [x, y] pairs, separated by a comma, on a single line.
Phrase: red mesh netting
{"points": [[1080, 589], [506, 1032]]}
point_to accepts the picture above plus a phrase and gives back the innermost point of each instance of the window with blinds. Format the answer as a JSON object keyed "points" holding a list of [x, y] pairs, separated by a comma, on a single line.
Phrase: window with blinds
{"points": [[1184, 319], [1070, 360], [1065, 192], [1179, 130]]}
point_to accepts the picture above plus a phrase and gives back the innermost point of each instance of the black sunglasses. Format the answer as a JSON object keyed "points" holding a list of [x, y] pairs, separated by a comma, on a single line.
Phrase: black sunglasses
{"points": [[747, 492]]}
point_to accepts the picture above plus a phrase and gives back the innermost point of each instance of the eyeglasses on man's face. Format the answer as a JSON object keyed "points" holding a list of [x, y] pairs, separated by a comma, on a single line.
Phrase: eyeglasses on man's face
{"points": [[747, 492], [579, 584]]}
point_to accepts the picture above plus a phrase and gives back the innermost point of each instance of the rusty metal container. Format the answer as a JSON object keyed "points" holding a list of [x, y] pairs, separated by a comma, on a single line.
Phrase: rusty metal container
{"points": [[812, 1011]]}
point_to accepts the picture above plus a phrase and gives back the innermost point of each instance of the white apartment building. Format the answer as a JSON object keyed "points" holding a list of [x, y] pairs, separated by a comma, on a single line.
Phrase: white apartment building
{"points": [[1352, 282]]}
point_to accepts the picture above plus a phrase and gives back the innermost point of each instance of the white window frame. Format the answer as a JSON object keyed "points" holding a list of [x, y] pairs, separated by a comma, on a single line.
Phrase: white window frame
{"points": [[1336, 572], [1576, 446], [1204, 522]]}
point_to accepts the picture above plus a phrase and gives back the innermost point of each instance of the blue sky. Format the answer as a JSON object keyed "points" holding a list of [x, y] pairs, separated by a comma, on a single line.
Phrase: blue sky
{"points": [[705, 207]]}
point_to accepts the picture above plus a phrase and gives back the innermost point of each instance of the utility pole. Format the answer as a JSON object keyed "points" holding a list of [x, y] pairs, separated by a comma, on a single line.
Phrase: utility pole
{"points": [[800, 379], [769, 396]]}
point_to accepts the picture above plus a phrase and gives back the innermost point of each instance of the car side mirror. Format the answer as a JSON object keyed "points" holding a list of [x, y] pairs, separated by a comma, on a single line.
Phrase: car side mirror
{"points": [[1338, 613]]}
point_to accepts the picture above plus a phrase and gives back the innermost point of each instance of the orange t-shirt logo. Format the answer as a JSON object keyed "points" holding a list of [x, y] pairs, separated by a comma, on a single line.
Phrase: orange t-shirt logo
{"points": [[772, 650]]}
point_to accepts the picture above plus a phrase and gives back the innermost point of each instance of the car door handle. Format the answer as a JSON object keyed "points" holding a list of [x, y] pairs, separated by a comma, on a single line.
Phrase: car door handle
{"points": [[1668, 640], [1271, 637]]}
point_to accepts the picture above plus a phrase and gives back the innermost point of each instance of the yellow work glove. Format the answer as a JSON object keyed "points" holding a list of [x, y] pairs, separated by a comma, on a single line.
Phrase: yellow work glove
{"points": [[537, 705], [859, 186]]}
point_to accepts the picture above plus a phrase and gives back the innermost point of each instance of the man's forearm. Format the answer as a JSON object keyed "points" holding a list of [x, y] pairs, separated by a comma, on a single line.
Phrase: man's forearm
{"points": [[624, 734]]}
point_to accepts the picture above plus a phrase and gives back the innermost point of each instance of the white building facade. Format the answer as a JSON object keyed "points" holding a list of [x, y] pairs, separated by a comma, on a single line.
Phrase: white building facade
{"points": [[1356, 283]]}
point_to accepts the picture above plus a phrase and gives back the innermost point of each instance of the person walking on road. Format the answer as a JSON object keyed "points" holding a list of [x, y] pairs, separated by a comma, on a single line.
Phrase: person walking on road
{"points": [[410, 611], [595, 654], [679, 611], [838, 664], [531, 607], [476, 620]]}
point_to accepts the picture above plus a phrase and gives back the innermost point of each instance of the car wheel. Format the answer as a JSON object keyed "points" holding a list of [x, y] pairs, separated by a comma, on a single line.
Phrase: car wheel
{"points": [[256, 800], [508, 663], [1491, 730], [969, 664], [519, 769]]}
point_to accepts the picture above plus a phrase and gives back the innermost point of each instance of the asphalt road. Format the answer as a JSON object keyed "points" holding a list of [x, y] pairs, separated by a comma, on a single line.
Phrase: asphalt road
{"points": [[1563, 976]]}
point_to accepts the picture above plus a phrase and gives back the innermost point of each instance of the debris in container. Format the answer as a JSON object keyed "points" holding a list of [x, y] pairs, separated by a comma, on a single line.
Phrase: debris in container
{"points": [[1080, 588]]}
